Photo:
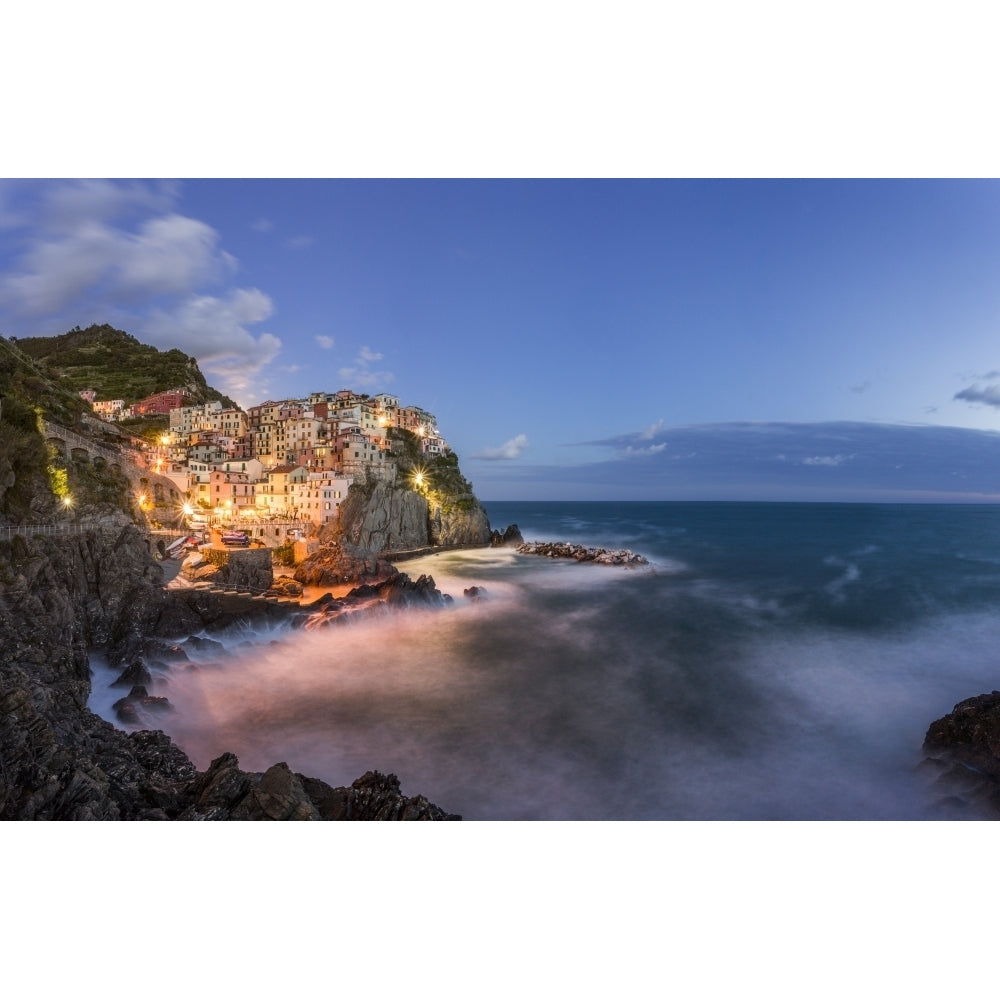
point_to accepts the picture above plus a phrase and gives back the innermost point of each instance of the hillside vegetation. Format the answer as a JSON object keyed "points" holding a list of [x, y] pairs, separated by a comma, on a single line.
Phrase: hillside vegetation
{"points": [[116, 366]]}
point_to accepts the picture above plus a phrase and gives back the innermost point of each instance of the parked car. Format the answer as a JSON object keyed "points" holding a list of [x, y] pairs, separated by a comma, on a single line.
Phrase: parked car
{"points": [[236, 538]]}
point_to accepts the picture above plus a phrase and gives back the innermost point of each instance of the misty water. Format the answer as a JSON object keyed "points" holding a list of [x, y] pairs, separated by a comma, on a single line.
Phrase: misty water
{"points": [[776, 661]]}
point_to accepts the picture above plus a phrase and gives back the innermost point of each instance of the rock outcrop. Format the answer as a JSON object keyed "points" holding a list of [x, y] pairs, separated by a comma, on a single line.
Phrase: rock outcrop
{"points": [[963, 753], [462, 524], [391, 518], [510, 537], [385, 518], [61, 597], [398, 591], [567, 550], [342, 562]]}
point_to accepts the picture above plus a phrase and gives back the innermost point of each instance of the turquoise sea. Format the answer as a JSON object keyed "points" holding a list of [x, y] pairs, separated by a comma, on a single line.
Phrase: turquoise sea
{"points": [[775, 661]]}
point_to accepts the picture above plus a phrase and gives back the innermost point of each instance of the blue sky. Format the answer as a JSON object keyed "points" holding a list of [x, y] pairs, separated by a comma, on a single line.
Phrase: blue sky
{"points": [[590, 339]]}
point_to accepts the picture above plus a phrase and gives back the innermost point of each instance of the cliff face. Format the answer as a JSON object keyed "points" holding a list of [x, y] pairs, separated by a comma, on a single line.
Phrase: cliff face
{"points": [[459, 525], [389, 518], [59, 597], [385, 518]]}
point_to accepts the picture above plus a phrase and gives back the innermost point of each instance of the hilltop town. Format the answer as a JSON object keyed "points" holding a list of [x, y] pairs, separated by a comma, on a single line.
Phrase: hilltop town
{"points": [[291, 460]]}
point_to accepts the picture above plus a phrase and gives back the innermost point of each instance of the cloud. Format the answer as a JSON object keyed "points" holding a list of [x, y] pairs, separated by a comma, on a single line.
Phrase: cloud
{"points": [[69, 204], [653, 449], [214, 329], [831, 461], [262, 225], [361, 374], [76, 258], [120, 252], [779, 461], [299, 242], [325, 342], [651, 431], [990, 395], [508, 450]]}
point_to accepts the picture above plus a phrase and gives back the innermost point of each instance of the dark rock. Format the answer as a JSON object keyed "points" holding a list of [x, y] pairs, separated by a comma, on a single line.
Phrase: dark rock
{"points": [[341, 563], [475, 594], [965, 746], [580, 553], [125, 711], [135, 673], [202, 644], [376, 796], [511, 536]]}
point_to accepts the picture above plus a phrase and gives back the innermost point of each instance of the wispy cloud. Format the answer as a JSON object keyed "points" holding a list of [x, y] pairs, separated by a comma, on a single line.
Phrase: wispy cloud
{"points": [[508, 450], [762, 461], [653, 449], [651, 431], [299, 242], [119, 252], [990, 394], [325, 342], [831, 461], [214, 329], [262, 225], [362, 374]]}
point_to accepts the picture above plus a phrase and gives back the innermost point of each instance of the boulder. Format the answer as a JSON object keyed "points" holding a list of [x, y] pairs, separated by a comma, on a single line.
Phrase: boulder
{"points": [[342, 562], [964, 746], [285, 586]]}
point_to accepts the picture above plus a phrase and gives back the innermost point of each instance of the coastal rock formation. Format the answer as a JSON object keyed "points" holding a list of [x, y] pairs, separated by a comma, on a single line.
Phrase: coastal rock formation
{"points": [[567, 550], [342, 562], [285, 586], [58, 599], [460, 525], [398, 591], [390, 518], [963, 751], [234, 569], [385, 518], [511, 536]]}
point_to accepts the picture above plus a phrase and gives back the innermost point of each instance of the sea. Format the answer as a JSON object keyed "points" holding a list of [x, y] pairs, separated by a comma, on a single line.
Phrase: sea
{"points": [[774, 661]]}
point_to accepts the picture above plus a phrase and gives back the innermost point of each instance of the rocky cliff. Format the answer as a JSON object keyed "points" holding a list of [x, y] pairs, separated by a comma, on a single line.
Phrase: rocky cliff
{"points": [[392, 518], [963, 755], [58, 599]]}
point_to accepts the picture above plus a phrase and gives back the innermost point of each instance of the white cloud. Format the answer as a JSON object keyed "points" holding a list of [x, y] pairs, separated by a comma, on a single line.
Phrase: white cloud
{"points": [[119, 251], [325, 342], [651, 431], [214, 330], [262, 225], [508, 450], [828, 460], [167, 255], [299, 242], [362, 375], [653, 449], [70, 204]]}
